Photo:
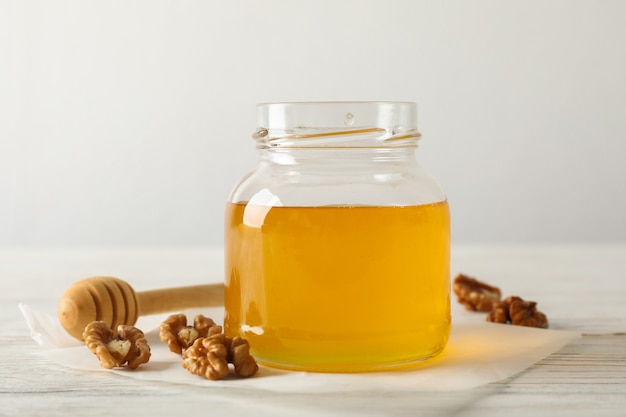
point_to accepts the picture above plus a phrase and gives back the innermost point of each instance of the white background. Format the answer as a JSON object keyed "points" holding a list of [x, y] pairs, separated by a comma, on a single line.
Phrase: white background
{"points": [[127, 123]]}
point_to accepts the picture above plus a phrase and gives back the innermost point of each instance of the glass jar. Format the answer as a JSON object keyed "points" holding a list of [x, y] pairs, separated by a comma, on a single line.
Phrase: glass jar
{"points": [[337, 243]]}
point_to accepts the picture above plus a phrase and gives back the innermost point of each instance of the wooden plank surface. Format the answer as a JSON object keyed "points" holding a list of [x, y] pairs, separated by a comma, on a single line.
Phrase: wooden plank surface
{"points": [[581, 288]]}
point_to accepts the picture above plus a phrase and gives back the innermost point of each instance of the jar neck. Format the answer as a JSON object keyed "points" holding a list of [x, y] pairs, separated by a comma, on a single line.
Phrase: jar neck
{"points": [[338, 157], [335, 138], [337, 134]]}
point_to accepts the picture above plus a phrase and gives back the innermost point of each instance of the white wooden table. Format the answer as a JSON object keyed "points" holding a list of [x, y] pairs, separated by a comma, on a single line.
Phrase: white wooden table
{"points": [[581, 288]]}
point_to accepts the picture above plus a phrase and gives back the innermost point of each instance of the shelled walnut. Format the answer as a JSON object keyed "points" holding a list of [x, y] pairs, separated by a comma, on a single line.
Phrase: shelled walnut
{"points": [[126, 347], [516, 311], [209, 357], [239, 356], [179, 336], [475, 295], [479, 296]]}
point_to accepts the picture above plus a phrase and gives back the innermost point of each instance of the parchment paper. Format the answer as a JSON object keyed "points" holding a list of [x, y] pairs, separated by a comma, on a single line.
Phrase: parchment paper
{"points": [[478, 353]]}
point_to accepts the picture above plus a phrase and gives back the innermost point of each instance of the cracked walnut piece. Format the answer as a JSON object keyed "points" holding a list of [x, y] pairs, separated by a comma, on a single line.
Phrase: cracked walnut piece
{"points": [[209, 357], [127, 346], [239, 355], [516, 311], [179, 336], [475, 295]]}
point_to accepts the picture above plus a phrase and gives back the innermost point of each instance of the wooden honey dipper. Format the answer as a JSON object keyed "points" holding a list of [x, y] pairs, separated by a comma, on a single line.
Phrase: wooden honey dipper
{"points": [[115, 302]]}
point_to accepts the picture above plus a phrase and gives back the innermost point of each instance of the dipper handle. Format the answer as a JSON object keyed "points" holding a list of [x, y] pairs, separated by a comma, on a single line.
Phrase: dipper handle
{"points": [[180, 298], [115, 302]]}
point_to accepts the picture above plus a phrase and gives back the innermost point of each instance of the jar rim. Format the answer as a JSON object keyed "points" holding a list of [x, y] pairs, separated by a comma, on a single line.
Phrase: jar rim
{"points": [[381, 114], [339, 102], [376, 123]]}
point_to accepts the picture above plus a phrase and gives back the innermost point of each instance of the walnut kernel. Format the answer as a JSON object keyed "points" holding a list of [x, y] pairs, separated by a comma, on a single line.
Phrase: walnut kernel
{"points": [[516, 311], [239, 356], [207, 357], [126, 347], [179, 336], [475, 295]]}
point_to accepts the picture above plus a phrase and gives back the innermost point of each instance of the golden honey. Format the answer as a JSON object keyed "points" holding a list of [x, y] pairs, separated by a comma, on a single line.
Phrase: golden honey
{"points": [[338, 288]]}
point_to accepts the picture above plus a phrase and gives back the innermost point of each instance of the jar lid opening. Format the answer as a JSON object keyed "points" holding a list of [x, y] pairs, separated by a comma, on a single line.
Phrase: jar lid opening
{"points": [[329, 123]]}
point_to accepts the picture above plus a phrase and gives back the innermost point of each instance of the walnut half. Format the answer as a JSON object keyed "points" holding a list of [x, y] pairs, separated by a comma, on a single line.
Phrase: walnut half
{"points": [[179, 336], [516, 311], [239, 356], [126, 347], [209, 357], [475, 295]]}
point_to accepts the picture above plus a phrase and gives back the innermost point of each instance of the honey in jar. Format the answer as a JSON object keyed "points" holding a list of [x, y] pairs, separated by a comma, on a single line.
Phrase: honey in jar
{"points": [[337, 244]]}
